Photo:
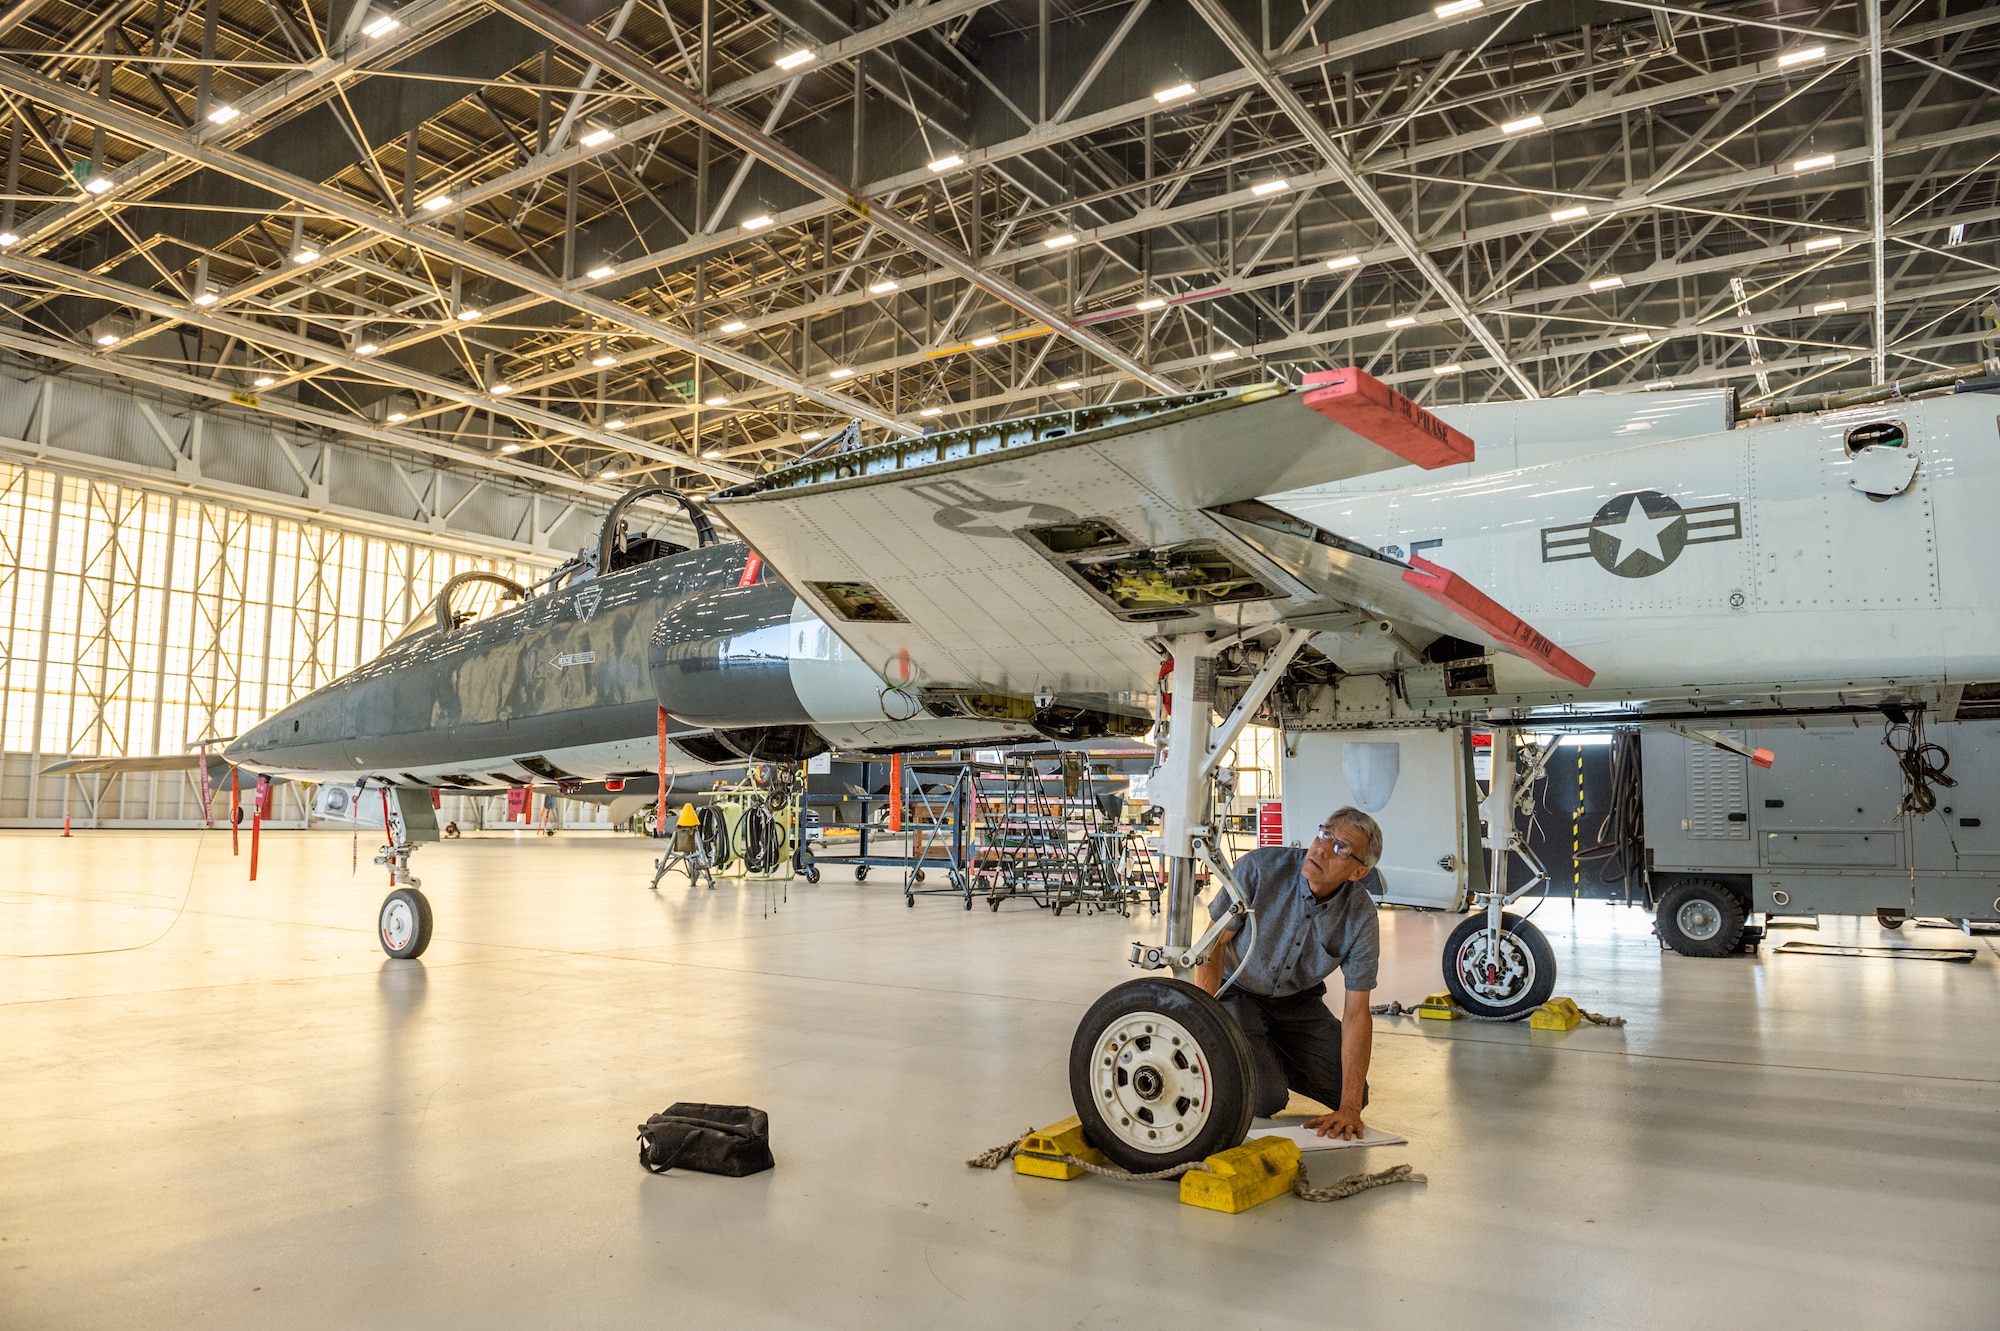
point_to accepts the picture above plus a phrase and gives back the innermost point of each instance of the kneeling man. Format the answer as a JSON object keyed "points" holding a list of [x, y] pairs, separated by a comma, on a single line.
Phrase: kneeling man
{"points": [[1314, 916]]}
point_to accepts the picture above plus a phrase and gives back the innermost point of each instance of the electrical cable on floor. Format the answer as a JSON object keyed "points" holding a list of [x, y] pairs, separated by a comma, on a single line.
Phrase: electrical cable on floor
{"points": [[186, 896]]}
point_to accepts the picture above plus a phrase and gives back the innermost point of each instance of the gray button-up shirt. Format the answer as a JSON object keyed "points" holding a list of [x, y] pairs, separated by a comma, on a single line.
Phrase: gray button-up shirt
{"points": [[1300, 940]]}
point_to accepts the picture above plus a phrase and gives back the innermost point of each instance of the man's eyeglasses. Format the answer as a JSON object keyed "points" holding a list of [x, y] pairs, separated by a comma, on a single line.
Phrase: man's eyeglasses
{"points": [[1340, 846]]}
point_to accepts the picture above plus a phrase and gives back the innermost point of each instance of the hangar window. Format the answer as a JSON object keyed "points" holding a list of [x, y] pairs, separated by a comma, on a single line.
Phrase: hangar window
{"points": [[858, 603], [1877, 434]]}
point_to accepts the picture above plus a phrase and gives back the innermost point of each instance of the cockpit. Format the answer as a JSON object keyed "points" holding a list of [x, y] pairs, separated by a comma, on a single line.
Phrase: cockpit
{"points": [[469, 597]]}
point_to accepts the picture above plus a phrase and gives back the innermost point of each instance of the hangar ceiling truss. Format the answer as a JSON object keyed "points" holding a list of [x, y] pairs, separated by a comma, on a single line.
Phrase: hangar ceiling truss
{"points": [[567, 246]]}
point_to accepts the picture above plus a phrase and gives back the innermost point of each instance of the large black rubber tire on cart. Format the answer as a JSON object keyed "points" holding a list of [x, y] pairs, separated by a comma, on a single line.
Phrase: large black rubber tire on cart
{"points": [[1505, 988], [1700, 918], [404, 925], [1160, 1074]]}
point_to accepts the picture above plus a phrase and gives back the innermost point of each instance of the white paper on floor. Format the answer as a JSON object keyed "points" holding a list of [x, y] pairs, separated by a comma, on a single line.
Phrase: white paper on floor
{"points": [[1307, 1140]]}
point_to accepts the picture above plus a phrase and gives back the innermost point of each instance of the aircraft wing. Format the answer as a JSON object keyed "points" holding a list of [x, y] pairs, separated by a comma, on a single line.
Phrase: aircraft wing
{"points": [[1040, 556], [161, 762]]}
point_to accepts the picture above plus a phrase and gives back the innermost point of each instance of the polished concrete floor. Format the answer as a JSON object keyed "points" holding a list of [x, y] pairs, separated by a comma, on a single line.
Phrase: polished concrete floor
{"points": [[257, 1120]]}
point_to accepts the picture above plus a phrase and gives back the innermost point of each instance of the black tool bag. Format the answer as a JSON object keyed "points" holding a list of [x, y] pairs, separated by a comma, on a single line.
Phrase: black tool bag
{"points": [[715, 1139]]}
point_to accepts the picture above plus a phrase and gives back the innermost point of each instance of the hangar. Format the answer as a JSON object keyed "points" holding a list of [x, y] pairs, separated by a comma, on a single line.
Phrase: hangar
{"points": [[1096, 663]]}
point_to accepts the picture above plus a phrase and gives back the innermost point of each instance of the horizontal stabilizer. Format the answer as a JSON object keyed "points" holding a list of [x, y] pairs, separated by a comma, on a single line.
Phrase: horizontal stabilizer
{"points": [[158, 762]]}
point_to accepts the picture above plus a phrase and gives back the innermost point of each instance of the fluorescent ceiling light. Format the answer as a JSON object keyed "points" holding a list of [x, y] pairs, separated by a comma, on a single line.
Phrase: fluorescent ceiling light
{"points": [[1225, 354], [1271, 187], [1834, 358], [757, 223], [1453, 368], [733, 326], [611, 473], [223, 114], [884, 287], [931, 411], [501, 390], [1521, 126], [616, 423], [8, 240], [398, 416], [1569, 214], [844, 372], [305, 254], [380, 26], [437, 203], [1457, 7], [367, 348], [718, 401], [1830, 307], [1150, 303], [510, 448], [1058, 242], [97, 184], [1344, 261], [986, 340], [1658, 384], [262, 381], [602, 271], [1402, 322], [1606, 283], [793, 59], [604, 360], [597, 134], [1174, 94], [1805, 164], [948, 162], [206, 299], [1633, 339], [808, 434], [1821, 243], [1953, 237], [1805, 55], [1068, 384], [471, 313], [107, 339]]}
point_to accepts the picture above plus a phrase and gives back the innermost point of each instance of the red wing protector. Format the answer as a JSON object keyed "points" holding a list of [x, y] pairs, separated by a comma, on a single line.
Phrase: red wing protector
{"points": [[1466, 600], [1381, 415]]}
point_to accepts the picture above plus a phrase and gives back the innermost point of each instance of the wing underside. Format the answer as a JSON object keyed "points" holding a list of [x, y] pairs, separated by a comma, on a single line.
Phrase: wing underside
{"points": [[1044, 557]]}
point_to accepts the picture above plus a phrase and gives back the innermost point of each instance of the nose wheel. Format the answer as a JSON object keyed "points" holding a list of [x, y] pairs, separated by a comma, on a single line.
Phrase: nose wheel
{"points": [[1160, 1075], [405, 923]]}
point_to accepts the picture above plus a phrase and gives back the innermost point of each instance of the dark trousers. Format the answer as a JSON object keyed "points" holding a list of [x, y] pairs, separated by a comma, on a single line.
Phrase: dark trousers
{"points": [[1294, 1046]]}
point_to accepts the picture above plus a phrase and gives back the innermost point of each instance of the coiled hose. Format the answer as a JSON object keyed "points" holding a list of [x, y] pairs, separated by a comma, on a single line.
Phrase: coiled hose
{"points": [[763, 839], [711, 833]]}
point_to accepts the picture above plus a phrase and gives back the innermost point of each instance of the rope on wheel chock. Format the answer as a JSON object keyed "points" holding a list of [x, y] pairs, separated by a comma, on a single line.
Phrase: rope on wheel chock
{"points": [[1338, 1190]]}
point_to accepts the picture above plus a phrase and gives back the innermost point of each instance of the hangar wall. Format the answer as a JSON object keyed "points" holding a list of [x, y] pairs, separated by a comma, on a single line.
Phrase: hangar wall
{"points": [[140, 622]]}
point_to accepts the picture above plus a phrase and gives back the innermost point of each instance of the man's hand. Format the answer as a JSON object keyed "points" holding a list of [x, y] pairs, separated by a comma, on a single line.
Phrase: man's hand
{"points": [[1344, 1124]]}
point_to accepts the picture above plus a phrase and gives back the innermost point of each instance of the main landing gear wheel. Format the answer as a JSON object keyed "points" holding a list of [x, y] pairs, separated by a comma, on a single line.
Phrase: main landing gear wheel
{"points": [[1516, 979], [1700, 918], [1160, 1074], [405, 923]]}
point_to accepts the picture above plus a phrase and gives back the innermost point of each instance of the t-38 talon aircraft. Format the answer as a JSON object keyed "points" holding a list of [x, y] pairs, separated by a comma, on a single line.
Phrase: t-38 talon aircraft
{"points": [[1333, 560]]}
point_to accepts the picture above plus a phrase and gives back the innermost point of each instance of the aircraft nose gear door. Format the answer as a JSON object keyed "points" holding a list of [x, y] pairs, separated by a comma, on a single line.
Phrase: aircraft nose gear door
{"points": [[1498, 965], [1159, 1072]]}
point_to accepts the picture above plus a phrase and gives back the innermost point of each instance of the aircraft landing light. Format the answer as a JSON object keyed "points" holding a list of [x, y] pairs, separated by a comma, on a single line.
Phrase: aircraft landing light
{"points": [[1381, 415], [1447, 588]]}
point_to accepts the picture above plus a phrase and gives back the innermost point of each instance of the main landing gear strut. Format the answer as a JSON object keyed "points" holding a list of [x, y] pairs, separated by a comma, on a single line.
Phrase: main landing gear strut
{"points": [[1158, 1071], [1496, 964]]}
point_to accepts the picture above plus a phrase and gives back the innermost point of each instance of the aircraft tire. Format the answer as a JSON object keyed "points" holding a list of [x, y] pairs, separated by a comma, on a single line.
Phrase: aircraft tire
{"points": [[1700, 918], [404, 924], [1160, 1074], [1508, 992]]}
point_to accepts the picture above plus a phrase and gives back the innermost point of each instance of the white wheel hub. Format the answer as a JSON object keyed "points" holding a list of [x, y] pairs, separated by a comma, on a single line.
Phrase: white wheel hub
{"points": [[399, 924], [1151, 1082], [1699, 920], [1495, 975]]}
